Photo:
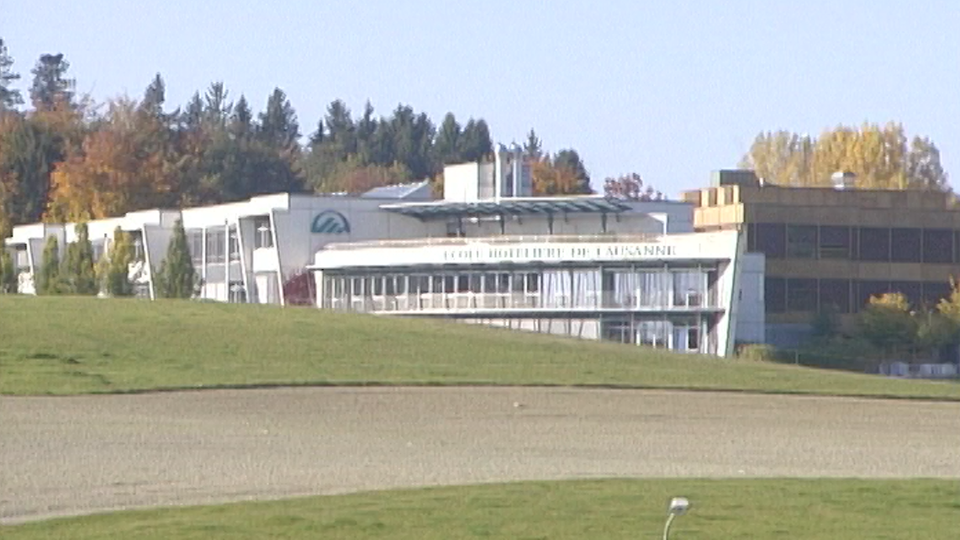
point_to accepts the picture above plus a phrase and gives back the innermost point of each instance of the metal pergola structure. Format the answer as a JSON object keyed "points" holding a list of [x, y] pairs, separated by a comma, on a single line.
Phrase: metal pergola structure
{"points": [[445, 210]]}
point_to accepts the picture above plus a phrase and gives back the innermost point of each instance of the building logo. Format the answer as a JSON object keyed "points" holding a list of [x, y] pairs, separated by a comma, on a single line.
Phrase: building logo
{"points": [[330, 222]]}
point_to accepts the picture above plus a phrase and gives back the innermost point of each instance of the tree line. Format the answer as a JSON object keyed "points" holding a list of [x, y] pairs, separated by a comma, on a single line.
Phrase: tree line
{"points": [[65, 157], [881, 157]]}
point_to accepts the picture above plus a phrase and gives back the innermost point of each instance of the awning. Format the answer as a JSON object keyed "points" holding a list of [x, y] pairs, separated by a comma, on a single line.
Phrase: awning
{"points": [[509, 207]]}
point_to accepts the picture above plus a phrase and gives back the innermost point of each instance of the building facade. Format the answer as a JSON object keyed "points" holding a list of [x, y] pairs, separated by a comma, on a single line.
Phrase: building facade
{"points": [[831, 249], [486, 253]]}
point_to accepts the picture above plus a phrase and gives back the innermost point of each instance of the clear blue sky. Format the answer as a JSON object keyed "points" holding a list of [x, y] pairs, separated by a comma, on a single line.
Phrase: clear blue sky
{"points": [[669, 89]]}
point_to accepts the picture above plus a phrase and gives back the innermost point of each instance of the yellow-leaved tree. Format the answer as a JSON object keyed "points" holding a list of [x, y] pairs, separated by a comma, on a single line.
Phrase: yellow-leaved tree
{"points": [[879, 156], [888, 323]]}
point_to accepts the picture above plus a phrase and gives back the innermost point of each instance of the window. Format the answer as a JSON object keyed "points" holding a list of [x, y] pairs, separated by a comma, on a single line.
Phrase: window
{"points": [[874, 244], [237, 293], [195, 243], [264, 233], [771, 239], [652, 333], [801, 294], [802, 241], [215, 246], [835, 242], [688, 288], [775, 294], [476, 285], [390, 285], [938, 246], [905, 245], [934, 291], [693, 338], [22, 261], [234, 244], [533, 283], [835, 295]]}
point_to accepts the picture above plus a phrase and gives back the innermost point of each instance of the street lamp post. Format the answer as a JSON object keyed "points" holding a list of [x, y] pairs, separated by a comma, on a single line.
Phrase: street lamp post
{"points": [[678, 507]]}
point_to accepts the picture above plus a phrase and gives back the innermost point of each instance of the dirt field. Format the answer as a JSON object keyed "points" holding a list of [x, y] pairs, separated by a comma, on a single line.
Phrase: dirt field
{"points": [[75, 455]]}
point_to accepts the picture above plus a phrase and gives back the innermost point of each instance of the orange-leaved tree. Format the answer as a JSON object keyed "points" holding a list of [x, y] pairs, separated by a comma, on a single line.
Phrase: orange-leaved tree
{"points": [[128, 163]]}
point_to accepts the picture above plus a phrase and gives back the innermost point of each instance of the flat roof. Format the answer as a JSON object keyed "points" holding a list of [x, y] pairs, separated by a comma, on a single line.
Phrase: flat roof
{"points": [[513, 206]]}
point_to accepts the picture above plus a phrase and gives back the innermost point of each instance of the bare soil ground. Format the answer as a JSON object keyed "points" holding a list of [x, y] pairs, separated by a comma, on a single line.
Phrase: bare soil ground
{"points": [[79, 455]]}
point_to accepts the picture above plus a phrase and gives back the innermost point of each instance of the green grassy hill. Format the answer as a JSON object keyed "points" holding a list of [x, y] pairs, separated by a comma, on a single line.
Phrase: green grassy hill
{"points": [[56, 345]]}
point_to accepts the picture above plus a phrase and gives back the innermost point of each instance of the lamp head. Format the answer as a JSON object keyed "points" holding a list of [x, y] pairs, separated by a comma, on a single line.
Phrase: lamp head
{"points": [[679, 506]]}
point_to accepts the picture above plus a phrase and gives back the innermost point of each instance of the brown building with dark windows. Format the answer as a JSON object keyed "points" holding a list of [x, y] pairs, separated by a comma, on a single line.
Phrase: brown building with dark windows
{"points": [[834, 248]]}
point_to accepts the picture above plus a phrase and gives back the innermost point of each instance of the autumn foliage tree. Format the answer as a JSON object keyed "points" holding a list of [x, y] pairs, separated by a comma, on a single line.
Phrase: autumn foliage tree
{"points": [[631, 187], [562, 173], [128, 164], [882, 157]]}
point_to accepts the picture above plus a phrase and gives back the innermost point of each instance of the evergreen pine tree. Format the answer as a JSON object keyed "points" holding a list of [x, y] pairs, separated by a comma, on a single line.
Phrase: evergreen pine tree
{"points": [[177, 277], [78, 275], [49, 279], [8, 273], [115, 266]]}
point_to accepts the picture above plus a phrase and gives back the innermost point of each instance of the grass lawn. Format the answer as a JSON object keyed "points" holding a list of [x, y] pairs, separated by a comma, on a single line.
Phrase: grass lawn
{"points": [[607, 509], [88, 345]]}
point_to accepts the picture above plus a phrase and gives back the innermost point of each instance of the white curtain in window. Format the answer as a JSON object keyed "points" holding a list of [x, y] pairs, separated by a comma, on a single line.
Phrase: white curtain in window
{"points": [[556, 288], [585, 288]]}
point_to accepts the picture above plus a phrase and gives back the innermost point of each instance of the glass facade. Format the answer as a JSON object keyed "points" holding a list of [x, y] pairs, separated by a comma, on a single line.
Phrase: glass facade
{"points": [[666, 307]]}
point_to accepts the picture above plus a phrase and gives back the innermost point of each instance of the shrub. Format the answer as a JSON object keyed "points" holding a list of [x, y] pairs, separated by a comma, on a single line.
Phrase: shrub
{"points": [[757, 352]]}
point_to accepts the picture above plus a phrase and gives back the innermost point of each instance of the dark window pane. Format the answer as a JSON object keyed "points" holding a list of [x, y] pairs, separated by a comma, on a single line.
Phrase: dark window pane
{"points": [[905, 244], [802, 241], [775, 295], [751, 237], [874, 244], [835, 242], [835, 295], [771, 239], [938, 245], [934, 291], [801, 295]]}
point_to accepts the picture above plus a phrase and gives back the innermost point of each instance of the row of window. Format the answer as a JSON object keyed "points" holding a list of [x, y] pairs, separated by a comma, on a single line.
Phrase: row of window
{"points": [[217, 248], [567, 288], [685, 336], [843, 295], [216, 245], [876, 244]]}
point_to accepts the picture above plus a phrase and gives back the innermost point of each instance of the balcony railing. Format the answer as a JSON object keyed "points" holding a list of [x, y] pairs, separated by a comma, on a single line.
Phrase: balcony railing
{"points": [[520, 301], [505, 239]]}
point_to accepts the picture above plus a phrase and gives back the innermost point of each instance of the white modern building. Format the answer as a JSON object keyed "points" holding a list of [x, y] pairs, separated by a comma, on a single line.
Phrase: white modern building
{"points": [[487, 252]]}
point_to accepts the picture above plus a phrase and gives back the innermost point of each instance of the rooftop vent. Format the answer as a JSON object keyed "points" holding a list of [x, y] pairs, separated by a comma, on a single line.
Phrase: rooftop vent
{"points": [[843, 180]]}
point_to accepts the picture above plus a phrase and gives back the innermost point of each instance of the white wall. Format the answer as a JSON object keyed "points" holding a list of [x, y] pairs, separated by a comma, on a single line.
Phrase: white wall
{"points": [[729, 284], [719, 245], [460, 182]]}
